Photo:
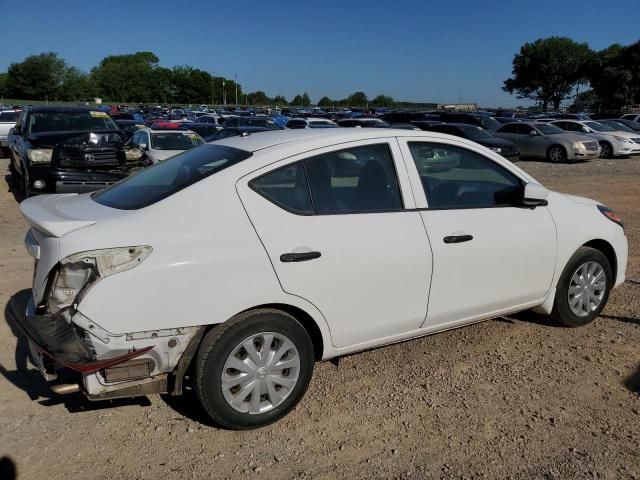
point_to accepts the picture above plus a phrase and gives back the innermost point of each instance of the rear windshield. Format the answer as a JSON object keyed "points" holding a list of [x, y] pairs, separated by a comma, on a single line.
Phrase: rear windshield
{"points": [[8, 117], [168, 177], [70, 121]]}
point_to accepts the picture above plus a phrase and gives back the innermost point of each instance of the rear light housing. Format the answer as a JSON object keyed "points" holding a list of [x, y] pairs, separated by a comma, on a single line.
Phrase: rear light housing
{"points": [[611, 215]]}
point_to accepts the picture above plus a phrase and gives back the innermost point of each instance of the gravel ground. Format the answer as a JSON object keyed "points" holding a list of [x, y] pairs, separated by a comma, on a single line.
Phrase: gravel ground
{"points": [[509, 398]]}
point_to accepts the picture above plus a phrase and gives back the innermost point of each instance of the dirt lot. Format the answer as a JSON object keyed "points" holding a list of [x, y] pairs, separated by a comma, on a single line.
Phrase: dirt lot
{"points": [[509, 398]]}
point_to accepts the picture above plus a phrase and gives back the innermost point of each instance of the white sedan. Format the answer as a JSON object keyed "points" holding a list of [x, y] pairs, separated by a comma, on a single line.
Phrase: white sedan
{"points": [[612, 142], [245, 261]]}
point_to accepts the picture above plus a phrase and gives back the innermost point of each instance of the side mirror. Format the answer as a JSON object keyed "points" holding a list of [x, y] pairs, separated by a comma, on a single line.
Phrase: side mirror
{"points": [[15, 130], [143, 146], [535, 195], [533, 133]]}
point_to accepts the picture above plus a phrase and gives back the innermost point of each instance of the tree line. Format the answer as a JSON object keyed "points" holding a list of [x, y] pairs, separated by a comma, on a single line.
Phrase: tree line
{"points": [[139, 78], [552, 70]]}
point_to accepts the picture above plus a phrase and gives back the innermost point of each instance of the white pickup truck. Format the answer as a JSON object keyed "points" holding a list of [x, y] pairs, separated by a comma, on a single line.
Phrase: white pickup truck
{"points": [[7, 122]]}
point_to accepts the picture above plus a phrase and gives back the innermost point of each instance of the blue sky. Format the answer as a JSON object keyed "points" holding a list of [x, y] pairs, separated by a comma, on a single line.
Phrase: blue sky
{"points": [[411, 50]]}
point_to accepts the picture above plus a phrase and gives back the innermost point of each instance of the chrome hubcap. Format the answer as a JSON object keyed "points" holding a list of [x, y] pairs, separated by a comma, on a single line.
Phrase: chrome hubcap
{"points": [[260, 373], [586, 289]]}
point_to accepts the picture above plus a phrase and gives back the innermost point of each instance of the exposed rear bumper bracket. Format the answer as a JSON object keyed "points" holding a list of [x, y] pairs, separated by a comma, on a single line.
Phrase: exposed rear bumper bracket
{"points": [[55, 338]]}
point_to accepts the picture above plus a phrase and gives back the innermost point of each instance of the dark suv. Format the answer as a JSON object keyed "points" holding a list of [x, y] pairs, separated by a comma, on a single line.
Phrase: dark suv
{"points": [[66, 149]]}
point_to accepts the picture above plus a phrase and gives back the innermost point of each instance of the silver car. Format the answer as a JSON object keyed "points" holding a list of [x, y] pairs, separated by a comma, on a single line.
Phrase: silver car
{"points": [[613, 143], [541, 140]]}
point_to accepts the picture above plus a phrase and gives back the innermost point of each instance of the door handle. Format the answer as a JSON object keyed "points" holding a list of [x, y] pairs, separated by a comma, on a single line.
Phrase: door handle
{"points": [[458, 238], [299, 257]]}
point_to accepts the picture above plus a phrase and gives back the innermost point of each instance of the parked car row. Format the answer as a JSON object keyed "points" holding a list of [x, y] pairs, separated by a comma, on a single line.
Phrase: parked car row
{"points": [[58, 149]]}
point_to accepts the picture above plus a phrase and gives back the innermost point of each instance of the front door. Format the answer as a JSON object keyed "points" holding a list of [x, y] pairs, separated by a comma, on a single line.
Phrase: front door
{"points": [[338, 232], [490, 256]]}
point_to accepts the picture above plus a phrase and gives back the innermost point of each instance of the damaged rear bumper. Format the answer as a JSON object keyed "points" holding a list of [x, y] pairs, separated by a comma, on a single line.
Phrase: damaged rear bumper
{"points": [[53, 337], [110, 366]]}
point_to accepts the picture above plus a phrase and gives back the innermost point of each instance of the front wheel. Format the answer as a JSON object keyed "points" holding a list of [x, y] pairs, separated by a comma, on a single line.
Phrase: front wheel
{"points": [[606, 150], [253, 369], [557, 154], [583, 288]]}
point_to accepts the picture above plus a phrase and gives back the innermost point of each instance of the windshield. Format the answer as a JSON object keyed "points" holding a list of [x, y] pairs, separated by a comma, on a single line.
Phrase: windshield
{"points": [[70, 121], [9, 117], [488, 122], [175, 141], [476, 133], [547, 129], [166, 178], [621, 127], [599, 127]]}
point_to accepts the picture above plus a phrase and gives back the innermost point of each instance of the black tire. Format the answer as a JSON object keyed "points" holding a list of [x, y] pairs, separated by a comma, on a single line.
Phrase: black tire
{"points": [[562, 312], [217, 346], [606, 150], [26, 190], [561, 154], [5, 152]]}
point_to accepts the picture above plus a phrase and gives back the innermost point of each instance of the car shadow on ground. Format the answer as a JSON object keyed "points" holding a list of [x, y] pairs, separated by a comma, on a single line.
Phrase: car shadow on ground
{"points": [[15, 190], [187, 405], [30, 380]]}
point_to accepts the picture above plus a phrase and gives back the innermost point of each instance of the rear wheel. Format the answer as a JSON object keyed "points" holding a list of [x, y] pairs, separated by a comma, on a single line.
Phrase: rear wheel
{"points": [[606, 150], [253, 369], [557, 154], [583, 288]]}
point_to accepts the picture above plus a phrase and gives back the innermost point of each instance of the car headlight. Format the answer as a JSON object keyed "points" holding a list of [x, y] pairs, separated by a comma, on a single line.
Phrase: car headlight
{"points": [[133, 154], [496, 149], [40, 155], [578, 146], [79, 272], [622, 139]]}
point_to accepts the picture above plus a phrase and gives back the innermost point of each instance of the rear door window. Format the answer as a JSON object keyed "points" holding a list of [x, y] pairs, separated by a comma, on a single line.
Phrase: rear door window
{"points": [[287, 187]]}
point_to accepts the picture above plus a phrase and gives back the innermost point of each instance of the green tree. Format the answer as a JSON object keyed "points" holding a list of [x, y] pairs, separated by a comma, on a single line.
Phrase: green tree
{"points": [[306, 101], [325, 102], [131, 78], [258, 98], [3, 84], [76, 86], [614, 75], [357, 99], [190, 85], [280, 100], [383, 101], [297, 101], [548, 69], [37, 77]]}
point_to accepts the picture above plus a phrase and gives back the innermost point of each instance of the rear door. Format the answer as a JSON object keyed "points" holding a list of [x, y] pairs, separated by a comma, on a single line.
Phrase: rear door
{"points": [[340, 230]]}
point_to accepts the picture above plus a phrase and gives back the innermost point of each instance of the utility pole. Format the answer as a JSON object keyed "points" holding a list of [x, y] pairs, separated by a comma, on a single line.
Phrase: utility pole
{"points": [[459, 100], [224, 94], [235, 80]]}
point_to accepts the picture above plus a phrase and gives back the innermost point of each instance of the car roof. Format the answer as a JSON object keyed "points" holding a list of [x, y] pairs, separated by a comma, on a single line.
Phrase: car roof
{"points": [[305, 139], [61, 108]]}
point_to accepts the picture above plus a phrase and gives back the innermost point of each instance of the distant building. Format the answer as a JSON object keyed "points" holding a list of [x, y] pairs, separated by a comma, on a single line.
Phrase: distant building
{"points": [[460, 107]]}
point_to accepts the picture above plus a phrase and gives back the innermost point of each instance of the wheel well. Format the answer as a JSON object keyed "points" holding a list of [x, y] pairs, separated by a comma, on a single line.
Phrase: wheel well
{"points": [[307, 322], [606, 248]]}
